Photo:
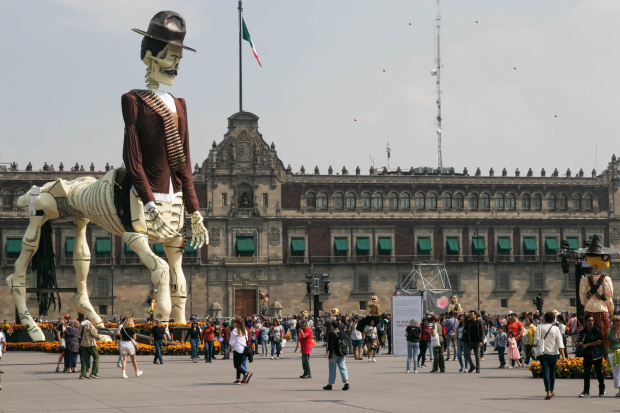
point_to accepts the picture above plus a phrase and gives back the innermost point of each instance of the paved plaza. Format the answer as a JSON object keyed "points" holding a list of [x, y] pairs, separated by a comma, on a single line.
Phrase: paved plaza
{"points": [[29, 384]]}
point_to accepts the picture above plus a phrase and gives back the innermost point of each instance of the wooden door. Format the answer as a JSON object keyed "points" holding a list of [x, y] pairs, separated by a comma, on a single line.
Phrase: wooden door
{"points": [[245, 302]]}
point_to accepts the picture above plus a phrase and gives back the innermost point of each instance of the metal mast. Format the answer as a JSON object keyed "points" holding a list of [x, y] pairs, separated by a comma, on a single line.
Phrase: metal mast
{"points": [[240, 8], [437, 72]]}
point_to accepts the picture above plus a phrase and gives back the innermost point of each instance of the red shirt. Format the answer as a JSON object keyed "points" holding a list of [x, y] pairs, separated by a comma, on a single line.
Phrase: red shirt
{"points": [[306, 343], [207, 333], [225, 334], [515, 328]]}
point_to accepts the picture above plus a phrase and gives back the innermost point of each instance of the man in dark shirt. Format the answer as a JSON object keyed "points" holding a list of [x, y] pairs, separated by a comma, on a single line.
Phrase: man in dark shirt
{"points": [[225, 332], [473, 335], [158, 336]]}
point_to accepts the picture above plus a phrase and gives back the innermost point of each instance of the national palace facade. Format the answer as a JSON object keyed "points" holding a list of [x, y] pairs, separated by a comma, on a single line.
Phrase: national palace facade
{"points": [[269, 226]]}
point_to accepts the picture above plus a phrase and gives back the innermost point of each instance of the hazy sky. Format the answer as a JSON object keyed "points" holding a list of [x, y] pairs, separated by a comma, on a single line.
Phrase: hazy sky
{"points": [[66, 63]]}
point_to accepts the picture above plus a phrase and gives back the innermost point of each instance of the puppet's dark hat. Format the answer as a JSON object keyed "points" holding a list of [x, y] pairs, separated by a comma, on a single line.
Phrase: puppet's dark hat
{"points": [[168, 27], [596, 248]]}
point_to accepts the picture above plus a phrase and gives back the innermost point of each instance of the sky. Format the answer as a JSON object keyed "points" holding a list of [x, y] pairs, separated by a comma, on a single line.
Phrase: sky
{"points": [[526, 84]]}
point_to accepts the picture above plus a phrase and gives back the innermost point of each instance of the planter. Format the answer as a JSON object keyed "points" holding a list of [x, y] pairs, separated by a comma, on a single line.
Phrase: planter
{"points": [[535, 375]]}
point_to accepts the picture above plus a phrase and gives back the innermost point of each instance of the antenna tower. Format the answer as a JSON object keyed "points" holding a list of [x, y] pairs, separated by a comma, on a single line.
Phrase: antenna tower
{"points": [[437, 72]]}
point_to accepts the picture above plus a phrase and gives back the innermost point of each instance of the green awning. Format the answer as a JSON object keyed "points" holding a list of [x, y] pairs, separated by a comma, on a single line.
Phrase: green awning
{"points": [[69, 244], [453, 245], [362, 244], [341, 245], [385, 244], [573, 243], [424, 245], [14, 245], [529, 244], [297, 245], [478, 244], [551, 244], [189, 248], [503, 244], [245, 244], [159, 248], [103, 245], [128, 248]]}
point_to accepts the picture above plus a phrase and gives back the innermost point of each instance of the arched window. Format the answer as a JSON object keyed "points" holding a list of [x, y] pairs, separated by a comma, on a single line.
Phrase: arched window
{"points": [[19, 193], [365, 200], [562, 204], [378, 200], [350, 200], [338, 200], [311, 200], [473, 201], [420, 201], [7, 198], [551, 202], [511, 201], [526, 202], [393, 200], [576, 202], [432, 200], [447, 200], [322, 200], [537, 202], [458, 200], [485, 201], [500, 201], [586, 203], [405, 201]]}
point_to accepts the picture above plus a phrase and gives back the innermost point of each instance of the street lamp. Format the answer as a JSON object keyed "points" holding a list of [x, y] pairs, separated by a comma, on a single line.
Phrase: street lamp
{"points": [[478, 245]]}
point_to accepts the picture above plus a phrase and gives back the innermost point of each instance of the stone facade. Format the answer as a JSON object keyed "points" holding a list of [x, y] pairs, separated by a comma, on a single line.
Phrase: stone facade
{"points": [[246, 193]]}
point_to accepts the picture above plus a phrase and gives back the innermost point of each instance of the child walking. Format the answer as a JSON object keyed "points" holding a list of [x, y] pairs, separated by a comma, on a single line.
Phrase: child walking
{"points": [[500, 344], [513, 351]]}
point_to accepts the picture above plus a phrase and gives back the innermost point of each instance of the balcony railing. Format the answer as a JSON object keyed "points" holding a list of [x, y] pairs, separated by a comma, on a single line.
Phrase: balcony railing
{"points": [[246, 260]]}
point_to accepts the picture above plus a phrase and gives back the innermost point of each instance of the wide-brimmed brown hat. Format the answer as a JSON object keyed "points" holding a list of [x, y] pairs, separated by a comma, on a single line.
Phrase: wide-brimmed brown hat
{"points": [[167, 26]]}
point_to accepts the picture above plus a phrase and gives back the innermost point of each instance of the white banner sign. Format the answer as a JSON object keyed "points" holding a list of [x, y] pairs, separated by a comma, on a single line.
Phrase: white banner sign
{"points": [[403, 310]]}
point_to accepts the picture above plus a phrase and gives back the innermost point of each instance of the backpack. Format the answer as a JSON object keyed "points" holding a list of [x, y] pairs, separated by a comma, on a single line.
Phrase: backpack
{"points": [[341, 349]]}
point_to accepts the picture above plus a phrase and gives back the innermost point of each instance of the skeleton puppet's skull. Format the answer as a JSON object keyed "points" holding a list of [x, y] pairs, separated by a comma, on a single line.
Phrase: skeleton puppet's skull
{"points": [[163, 67]]}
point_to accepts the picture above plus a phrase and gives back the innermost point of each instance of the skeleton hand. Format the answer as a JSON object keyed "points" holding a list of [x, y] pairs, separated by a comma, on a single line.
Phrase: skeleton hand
{"points": [[159, 227], [200, 235]]}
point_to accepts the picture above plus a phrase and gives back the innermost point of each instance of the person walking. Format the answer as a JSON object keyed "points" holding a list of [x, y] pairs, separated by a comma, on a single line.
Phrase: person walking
{"points": [[275, 334], [413, 333], [305, 341], [473, 335], [590, 346], [207, 338], [128, 346], [370, 338], [528, 339], [89, 349], [501, 340], [336, 357], [237, 344], [292, 326], [613, 353], [158, 338], [513, 352], [451, 326], [72, 341], [225, 332], [425, 338], [264, 338], [459, 347], [193, 334], [2, 348], [60, 331], [119, 363], [549, 340], [437, 346], [356, 339]]}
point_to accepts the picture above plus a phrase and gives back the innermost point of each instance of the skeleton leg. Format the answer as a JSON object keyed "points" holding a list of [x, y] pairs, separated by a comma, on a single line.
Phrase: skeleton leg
{"points": [[174, 251], [160, 273], [81, 263], [17, 280]]}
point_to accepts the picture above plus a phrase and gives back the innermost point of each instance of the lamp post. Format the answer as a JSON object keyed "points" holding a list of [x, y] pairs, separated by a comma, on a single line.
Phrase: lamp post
{"points": [[310, 267], [478, 251]]}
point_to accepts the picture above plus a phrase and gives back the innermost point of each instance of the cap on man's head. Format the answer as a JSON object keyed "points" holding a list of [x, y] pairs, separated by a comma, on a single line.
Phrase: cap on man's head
{"points": [[67, 316]]}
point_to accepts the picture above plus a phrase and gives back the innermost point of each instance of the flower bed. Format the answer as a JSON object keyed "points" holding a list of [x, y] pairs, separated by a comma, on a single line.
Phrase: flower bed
{"points": [[568, 368], [20, 327], [111, 347]]}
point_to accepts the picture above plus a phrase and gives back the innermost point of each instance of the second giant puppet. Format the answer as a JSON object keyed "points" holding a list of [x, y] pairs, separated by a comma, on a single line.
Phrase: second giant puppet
{"points": [[156, 154], [596, 290]]}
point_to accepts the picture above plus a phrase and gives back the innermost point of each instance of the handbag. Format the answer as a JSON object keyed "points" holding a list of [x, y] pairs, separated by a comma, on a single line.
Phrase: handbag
{"points": [[62, 343], [540, 348], [135, 343]]}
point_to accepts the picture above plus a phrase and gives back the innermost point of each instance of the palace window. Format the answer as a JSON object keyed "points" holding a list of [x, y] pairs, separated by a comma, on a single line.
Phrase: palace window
{"points": [[458, 200], [562, 202], [265, 200], [511, 201], [405, 201], [447, 200], [420, 201], [586, 203], [311, 200], [525, 202], [322, 200], [432, 200], [393, 200], [577, 202], [7, 198], [350, 200], [499, 201], [536, 202], [378, 200], [338, 200], [473, 201], [503, 281], [224, 201], [551, 202], [365, 200], [485, 201]]}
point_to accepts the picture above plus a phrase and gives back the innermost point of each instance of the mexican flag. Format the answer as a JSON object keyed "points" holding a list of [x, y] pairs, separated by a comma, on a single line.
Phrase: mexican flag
{"points": [[246, 36]]}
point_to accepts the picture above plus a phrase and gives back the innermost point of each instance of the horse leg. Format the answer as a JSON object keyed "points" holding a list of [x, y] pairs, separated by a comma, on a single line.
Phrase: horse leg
{"points": [[160, 273], [174, 252], [81, 264], [17, 280]]}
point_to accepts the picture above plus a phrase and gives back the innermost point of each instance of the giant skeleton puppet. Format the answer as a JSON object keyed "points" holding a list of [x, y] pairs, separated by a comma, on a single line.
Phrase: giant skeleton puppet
{"points": [[596, 290], [142, 203]]}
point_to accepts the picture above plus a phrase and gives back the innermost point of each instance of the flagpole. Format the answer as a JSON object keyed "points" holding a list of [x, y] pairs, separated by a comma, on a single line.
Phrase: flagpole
{"points": [[240, 67]]}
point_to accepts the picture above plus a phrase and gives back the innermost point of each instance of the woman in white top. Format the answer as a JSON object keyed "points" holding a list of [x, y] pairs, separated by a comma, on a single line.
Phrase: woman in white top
{"points": [[549, 338], [238, 342], [370, 338]]}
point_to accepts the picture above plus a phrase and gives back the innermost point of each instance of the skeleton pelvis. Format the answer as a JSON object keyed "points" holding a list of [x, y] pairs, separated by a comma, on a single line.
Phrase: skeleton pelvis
{"points": [[172, 212]]}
